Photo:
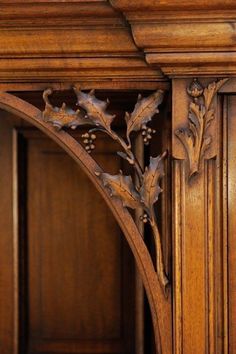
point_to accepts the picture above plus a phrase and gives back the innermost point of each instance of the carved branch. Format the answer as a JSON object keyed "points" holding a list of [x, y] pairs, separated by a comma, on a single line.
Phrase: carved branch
{"points": [[146, 193], [201, 113]]}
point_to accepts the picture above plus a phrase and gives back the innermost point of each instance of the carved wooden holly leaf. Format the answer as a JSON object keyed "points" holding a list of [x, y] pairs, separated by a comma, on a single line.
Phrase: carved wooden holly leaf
{"points": [[95, 109], [122, 187], [150, 188], [143, 112], [62, 116]]}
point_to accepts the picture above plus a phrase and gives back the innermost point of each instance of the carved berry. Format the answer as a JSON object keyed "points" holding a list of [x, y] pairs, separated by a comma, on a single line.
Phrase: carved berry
{"points": [[147, 134], [88, 140], [144, 218]]}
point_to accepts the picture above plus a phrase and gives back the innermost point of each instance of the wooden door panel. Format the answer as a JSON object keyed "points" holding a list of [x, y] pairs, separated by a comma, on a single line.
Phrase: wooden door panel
{"points": [[79, 270]]}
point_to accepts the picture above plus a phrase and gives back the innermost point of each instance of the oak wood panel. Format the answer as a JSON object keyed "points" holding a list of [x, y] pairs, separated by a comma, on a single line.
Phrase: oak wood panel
{"points": [[9, 295], [80, 277]]}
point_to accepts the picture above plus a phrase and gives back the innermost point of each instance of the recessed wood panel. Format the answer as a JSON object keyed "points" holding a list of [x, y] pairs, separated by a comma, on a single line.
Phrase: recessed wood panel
{"points": [[80, 274]]}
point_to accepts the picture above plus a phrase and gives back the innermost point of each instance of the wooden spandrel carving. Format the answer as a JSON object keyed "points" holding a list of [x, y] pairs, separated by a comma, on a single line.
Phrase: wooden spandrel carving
{"points": [[143, 194]]}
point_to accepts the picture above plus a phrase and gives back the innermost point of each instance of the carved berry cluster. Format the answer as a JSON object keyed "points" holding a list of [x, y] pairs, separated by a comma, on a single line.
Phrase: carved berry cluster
{"points": [[144, 218], [89, 141], [147, 134]]}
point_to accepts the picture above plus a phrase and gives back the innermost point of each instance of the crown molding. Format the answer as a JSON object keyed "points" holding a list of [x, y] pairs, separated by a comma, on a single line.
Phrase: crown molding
{"points": [[184, 39], [101, 40], [67, 42]]}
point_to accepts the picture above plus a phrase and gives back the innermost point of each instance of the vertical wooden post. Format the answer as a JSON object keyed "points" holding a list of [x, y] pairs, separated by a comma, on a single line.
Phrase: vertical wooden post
{"points": [[197, 229]]}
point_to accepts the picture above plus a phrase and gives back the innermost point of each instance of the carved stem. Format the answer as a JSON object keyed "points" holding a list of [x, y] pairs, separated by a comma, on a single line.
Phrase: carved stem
{"points": [[137, 168], [159, 255]]}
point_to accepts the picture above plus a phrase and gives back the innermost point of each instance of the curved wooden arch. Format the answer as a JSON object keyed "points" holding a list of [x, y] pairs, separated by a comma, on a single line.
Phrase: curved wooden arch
{"points": [[160, 306]]}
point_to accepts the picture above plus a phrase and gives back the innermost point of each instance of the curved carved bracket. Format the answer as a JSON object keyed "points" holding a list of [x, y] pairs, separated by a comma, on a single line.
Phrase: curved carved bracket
{"points": [[143, 194], [201, 113], [160, 306]]}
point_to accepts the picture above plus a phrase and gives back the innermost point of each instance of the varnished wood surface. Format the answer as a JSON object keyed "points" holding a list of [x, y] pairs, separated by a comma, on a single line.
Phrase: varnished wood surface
{"points": [[116, 34], [231, 155], [55, 258], [127, 45], [203, 235], [81, 276], [160, 305], [95, 36], [197, 26]]}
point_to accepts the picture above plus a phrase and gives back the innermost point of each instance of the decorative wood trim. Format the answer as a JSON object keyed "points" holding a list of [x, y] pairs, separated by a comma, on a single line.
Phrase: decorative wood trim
{"points": [[147, 189], [80, 40], [202, 39], [160, 305], [194, 138]]}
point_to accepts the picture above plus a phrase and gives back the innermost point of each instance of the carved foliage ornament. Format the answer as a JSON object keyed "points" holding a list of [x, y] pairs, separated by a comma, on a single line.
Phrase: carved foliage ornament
{"points": [[201, 113], [145, 192]]}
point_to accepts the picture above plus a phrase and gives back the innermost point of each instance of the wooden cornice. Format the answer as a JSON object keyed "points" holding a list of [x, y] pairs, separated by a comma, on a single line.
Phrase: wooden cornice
{"points": [[183, 38], [116, 40], [75, 41]]}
